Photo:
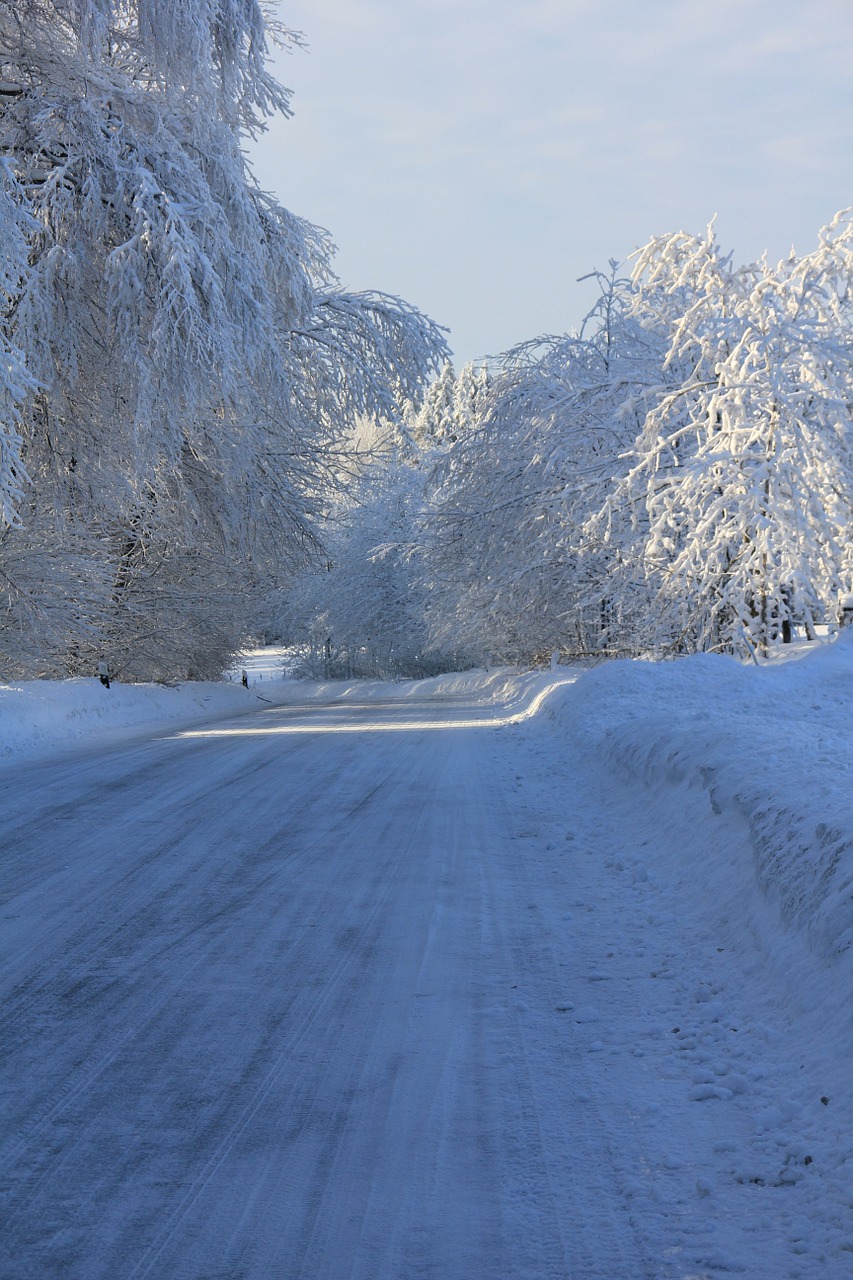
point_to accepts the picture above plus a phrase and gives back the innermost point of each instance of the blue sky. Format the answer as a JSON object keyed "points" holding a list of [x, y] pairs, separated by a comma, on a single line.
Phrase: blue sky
{"points": [[477, 156]]}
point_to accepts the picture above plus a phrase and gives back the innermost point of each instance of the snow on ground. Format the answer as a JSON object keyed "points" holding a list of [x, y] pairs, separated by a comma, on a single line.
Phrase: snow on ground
{"points": [[680, 841], [38, 717], [765, 755], [733, 785]]}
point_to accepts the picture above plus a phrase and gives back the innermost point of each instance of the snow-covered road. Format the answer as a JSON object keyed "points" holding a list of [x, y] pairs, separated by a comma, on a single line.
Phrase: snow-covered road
{"points": [[376, 990]]}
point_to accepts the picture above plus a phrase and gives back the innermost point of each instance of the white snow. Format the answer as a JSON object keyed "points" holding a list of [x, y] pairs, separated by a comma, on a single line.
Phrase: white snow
{"points": [[565, 989], [38, 717], [732, 786]]}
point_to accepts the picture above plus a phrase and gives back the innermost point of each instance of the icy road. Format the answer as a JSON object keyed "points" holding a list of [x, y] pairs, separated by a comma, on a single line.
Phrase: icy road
{"points": [[372, 991]]}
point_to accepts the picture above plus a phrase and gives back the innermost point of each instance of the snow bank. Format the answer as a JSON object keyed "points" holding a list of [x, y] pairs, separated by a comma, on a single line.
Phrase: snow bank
{"points": [[750, 768], [41, 716], [504, 686], [38, 717]]}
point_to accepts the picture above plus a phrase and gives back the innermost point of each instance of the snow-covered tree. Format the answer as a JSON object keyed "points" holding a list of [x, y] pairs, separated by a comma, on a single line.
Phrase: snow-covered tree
{"points": [[739, 499], [451, 407], [361, 610], [179, 355], [16, 383], [511, 570]]}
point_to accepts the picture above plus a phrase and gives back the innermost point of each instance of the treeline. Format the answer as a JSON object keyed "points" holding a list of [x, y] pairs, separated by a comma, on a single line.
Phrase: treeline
{"points": [[203, 438], [676, 477]]}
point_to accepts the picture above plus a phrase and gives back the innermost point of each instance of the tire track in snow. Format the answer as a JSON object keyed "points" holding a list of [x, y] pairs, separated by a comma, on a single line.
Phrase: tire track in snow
{"points": [[89, 1073], [373, 1101], [249, 1110], [560, 1139]]}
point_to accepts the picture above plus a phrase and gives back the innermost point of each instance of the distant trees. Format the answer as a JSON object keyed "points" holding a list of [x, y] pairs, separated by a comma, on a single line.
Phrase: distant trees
{"points": [[361, 612], [177, 360], [368, 608], [450, 408]]}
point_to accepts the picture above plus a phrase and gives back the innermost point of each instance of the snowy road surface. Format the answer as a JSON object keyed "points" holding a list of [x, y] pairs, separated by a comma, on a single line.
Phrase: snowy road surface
{"points": [[374, 991]]}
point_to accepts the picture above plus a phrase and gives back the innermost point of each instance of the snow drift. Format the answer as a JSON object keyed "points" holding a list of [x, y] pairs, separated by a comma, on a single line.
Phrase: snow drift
{"points": [[750, 770]]}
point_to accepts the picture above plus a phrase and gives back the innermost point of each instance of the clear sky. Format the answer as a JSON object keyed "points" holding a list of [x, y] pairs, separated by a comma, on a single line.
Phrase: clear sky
{"points": [[477, 156]]}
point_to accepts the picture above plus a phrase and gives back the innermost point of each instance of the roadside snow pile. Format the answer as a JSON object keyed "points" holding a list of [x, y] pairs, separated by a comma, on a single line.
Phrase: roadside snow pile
{"points": [[751, 769], [37, 716], [40, 716], [502, 686]]}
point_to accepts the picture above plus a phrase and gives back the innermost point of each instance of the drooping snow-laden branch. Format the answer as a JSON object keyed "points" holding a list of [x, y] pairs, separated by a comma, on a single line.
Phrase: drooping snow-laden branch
{"points": [[16, 382], [178, 361], [739, 494]]}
